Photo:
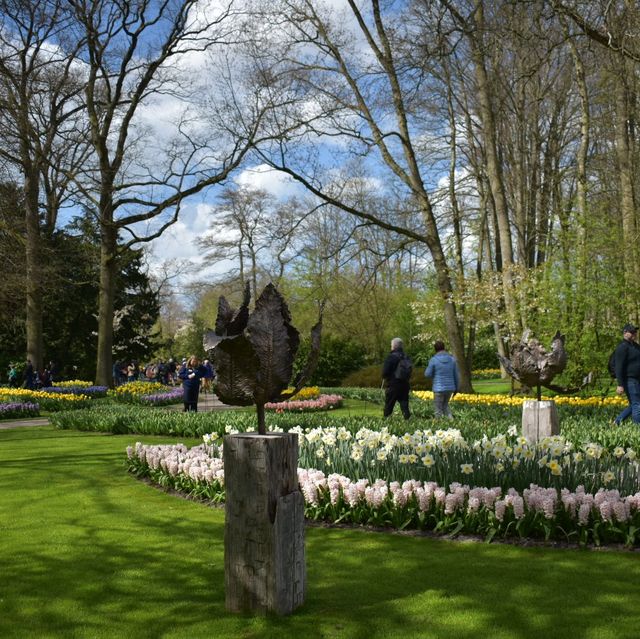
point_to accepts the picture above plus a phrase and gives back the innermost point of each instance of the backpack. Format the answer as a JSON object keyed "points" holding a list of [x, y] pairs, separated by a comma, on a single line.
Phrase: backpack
{"points": [[404, 368]]}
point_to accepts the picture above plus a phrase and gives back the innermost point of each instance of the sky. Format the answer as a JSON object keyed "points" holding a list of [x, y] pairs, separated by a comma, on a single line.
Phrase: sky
{"points": [[179, 243]]}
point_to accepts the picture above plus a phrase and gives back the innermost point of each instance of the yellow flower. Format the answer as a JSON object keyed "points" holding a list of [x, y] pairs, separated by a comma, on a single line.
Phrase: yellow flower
{"points": [[554, 467]]}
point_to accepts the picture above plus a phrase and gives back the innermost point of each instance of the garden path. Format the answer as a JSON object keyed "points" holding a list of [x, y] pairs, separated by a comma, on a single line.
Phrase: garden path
{"points": [[33, 421]]}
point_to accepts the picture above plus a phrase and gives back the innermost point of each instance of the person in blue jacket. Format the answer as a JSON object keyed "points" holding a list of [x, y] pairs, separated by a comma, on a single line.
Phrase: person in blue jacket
{"points": [[191, 373], [443, 370]]}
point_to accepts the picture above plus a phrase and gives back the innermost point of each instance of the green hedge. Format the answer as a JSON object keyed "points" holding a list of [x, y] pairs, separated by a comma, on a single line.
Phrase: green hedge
{"points": [[371, 377]]}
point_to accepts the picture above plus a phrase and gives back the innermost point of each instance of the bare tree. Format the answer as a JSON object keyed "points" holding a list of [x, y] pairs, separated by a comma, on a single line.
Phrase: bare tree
{"points": [[133, 55], [40, 120], [254, 231], [348, 78]]}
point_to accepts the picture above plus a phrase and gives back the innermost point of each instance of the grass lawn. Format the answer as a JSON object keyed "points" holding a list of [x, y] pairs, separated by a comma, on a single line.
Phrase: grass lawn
{"points": [[491, 386], [88, 551]]}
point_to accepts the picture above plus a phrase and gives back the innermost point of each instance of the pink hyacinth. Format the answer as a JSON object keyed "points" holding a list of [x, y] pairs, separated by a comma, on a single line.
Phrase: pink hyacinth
{"points": [[473, 505], [606, 510], [310, 492], [583, 514], [621, 511]]}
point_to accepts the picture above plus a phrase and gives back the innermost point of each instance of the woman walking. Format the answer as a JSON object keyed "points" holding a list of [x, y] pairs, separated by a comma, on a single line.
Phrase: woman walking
{"points": [[191, 373], [443, 370]]}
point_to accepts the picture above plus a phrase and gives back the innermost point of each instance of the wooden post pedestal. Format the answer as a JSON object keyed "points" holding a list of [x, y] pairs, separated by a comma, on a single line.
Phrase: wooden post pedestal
{"points": [[539, 419], [264, 559]]}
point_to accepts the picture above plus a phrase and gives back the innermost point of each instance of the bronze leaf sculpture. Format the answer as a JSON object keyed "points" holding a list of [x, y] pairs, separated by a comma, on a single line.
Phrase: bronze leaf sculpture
{"points": [[253, 353], [533, 366]]}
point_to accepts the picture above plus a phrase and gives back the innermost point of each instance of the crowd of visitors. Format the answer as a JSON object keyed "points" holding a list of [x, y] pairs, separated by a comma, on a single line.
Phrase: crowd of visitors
{"points": [[158, 371], [192, 374], [29, 377]]}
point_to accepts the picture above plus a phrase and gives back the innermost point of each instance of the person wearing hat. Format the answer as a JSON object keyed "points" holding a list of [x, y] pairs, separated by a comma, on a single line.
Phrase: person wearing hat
{"points": [[627, 367]]}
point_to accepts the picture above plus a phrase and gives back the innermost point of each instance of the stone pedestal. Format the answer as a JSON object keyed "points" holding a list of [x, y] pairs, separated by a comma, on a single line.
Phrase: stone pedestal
{"points": [[264, 559], [539, 419]]}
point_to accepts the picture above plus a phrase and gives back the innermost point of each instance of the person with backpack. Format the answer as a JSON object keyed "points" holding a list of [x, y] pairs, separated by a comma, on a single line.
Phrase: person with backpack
{"points": [[626, 360], [396, 373], [443, 370]]}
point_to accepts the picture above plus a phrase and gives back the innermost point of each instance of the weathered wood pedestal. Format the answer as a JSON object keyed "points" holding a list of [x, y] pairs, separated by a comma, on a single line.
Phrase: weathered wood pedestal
{"points": [[264, 524], [539, 419]]}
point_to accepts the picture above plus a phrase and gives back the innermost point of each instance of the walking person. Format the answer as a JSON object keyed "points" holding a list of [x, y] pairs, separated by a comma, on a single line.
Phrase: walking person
{"points": [[191, 373], [627, 368], [29, 376], [207, 380], [443, 370], [396, 373], [13, 376]]}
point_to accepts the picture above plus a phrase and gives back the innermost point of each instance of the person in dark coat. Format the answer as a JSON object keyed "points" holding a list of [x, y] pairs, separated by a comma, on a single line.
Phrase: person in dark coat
{"points": [[191, 373], [29, 376], [627, 367], [397, 389], [208, 378]]}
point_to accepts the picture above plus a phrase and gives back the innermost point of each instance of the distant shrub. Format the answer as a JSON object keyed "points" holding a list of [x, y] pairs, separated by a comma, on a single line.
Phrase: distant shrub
{"points": [[371, 377], [338, 357]]}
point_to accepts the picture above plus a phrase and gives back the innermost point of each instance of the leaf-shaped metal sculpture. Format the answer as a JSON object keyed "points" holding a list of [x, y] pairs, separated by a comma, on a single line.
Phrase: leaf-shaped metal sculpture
{"points": [[236, 362], [229, 322], [253, 354], [275, 342], [531, 365]]}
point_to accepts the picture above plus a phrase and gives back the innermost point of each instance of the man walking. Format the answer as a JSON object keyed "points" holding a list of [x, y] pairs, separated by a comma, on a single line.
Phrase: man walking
{"points": [[627, 367], [396, 373]]}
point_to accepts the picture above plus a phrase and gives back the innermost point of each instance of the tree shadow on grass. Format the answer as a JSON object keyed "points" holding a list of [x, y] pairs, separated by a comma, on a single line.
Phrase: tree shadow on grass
{"points": [[88, 551]]}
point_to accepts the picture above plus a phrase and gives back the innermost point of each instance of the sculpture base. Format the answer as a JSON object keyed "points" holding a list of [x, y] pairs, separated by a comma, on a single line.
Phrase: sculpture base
{"points": [[539, 419], [264, 563]]}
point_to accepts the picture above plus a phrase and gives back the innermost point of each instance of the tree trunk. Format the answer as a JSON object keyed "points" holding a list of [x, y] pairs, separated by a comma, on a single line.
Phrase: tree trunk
{"points": [[494, 169], [264, 524], [33, 263], [626, 178], [106, 303]]}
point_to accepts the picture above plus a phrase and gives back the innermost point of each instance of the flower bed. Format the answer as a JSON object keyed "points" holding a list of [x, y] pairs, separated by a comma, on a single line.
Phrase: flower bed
{"points": [[163, 398], [74, 383], [324, 402], [604, 516], [308, 392], [47, 401], [89, 391], [146, 393], [506, 400], [11, 410], [485, 373]]}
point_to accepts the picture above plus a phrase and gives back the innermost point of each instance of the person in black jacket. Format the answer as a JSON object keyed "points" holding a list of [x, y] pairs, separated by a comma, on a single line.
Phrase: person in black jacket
{"points": [[397, 388], [627, 367], [191, 373]]}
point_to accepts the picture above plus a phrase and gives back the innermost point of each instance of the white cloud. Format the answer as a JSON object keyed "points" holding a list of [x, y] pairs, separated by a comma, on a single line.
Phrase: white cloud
{"points": [[262, 176]]}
